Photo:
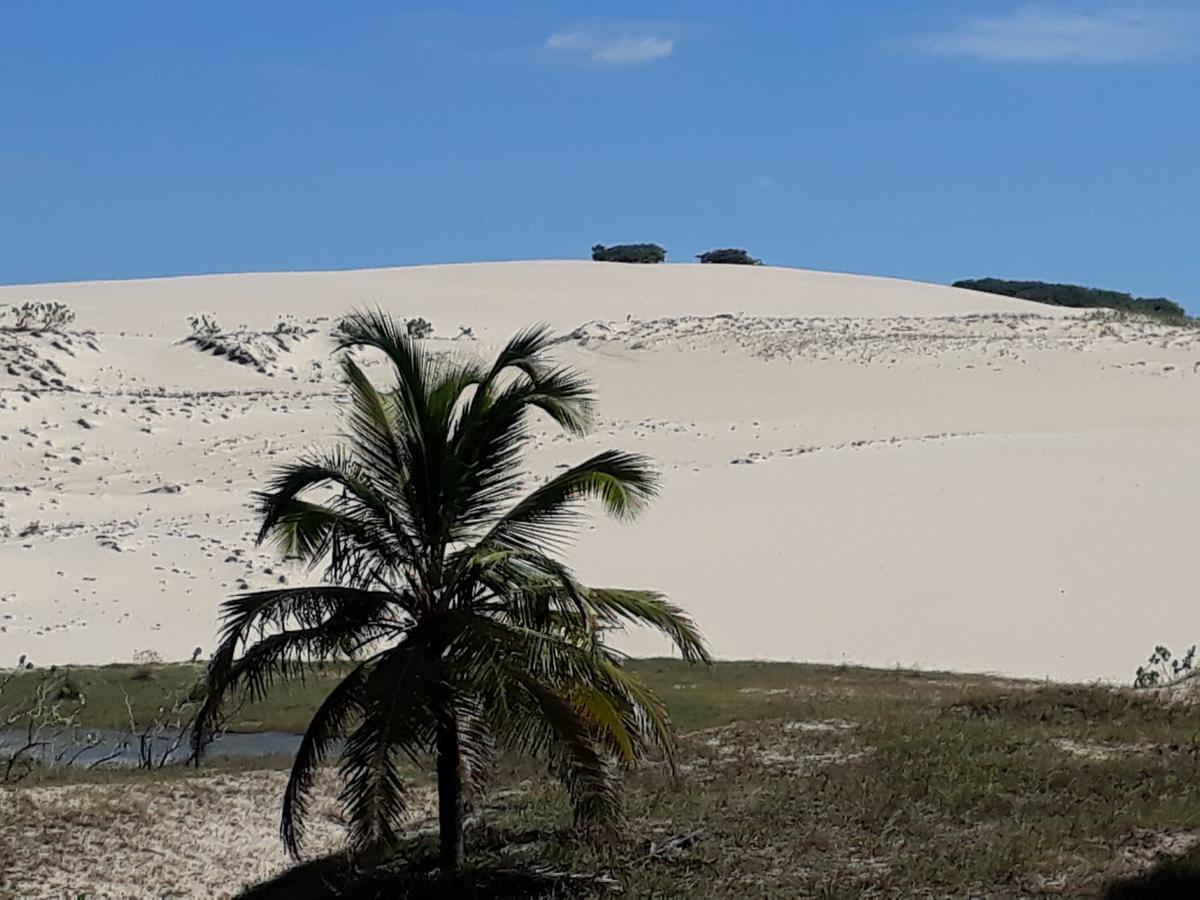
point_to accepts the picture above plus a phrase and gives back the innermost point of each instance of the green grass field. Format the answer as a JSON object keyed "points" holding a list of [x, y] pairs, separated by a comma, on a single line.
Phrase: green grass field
{"points": [[801, 780], [700, 697]]}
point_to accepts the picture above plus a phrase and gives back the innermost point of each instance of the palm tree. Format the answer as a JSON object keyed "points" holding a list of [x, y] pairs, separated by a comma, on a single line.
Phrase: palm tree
{"points": [[444, 596]]}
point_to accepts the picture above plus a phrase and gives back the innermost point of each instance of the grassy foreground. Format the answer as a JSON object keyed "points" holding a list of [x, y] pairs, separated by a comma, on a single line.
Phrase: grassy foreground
{"points": [[802, 780]]}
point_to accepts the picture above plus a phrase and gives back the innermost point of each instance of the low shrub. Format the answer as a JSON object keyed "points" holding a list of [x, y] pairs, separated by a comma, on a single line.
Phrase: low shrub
{"points": [[36, 316], [1163, 668], [418, 328], [629, 253], [729, 256]]}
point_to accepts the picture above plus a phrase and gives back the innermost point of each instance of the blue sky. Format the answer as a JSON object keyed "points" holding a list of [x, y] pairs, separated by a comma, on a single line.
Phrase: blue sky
{"points": [[926, 139]]}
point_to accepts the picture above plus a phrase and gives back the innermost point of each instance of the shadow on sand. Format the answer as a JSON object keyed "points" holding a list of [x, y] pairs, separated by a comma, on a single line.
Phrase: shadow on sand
{"points": [[330, 878], [414, 874]]}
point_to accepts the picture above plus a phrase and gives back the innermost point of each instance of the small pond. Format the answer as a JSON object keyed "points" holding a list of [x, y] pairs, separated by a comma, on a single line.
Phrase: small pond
{"points": [[84, 747]]}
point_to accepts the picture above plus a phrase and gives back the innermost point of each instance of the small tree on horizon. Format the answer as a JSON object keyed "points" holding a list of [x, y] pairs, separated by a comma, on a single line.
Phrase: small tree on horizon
{"points": [[728, 256], [629, 253], [444, 591]]}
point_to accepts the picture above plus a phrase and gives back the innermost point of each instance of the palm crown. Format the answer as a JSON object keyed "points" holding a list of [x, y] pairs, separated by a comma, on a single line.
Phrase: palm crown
{"points": [[444, 590]]}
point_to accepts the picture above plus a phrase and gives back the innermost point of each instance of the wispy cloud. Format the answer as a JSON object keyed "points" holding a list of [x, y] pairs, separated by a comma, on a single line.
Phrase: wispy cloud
{"points": [[1039, 34], [611, 48]]}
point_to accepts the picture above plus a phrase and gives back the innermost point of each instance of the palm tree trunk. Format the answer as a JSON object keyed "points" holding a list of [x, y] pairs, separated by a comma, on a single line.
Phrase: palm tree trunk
{"points": [[450, 798]]}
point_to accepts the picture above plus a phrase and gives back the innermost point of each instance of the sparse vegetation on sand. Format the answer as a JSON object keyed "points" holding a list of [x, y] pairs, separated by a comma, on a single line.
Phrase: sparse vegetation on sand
{"points": [[36, 337], [794, 780], [1164, 669], [1076, 296], [35, 316], [244, 346], [418, 328]]}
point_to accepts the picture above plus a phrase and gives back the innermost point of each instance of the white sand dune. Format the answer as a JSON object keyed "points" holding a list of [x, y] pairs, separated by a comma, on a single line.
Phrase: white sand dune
{"points": [[857, 469]]}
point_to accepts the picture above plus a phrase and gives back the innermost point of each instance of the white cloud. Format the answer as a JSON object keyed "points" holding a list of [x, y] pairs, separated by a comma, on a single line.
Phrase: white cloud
{"points": [[615, 49], [1038, 34]]}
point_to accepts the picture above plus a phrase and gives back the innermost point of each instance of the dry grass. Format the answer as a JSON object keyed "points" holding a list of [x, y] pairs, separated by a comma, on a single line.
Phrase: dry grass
{"points": [[796, 781]]}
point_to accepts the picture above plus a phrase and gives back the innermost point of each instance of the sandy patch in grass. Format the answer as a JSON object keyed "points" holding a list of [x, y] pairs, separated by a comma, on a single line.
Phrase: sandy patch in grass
{"points": [[204, 836]]}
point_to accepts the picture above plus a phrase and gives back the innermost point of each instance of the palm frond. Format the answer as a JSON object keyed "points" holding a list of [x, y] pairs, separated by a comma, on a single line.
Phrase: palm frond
{"points": [[483, 458], [476, 743], [525, 587], [491, 432], [587, 773], [649, 718], [363, 532], [566, 396], [343, 704], [526, 351], [376, 329], [302, 529], [620, 714], [316, 470], [331, 620], [375, 426], [652, 610], [593, 786], [609, 715], [530, 686], [448, 401], [402, 700], [326, 605], [548, 515], [562, 392]]}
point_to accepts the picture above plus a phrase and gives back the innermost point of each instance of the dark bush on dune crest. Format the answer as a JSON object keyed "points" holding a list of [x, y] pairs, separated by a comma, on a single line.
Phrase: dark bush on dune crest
{"points": [[629, 253], [729, 256], [1075, 296]]}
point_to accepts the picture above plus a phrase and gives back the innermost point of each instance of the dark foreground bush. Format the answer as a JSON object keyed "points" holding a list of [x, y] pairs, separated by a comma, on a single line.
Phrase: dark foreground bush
{"points": [[1075, 296], [629, 253], [729, 256]]}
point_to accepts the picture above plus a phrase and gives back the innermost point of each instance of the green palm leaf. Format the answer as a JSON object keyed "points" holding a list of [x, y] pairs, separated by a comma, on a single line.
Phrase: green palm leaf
{"points": [[650, 609], [343, 704], [400, 700]]}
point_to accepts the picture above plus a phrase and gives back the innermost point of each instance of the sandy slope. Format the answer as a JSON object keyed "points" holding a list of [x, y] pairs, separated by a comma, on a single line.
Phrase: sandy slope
{"points": [[857, 469]]}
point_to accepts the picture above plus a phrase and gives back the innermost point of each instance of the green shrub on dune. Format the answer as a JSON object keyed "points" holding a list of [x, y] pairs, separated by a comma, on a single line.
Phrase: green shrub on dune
{"points": [[629, 253], [1075, 296], [728, 256]]}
